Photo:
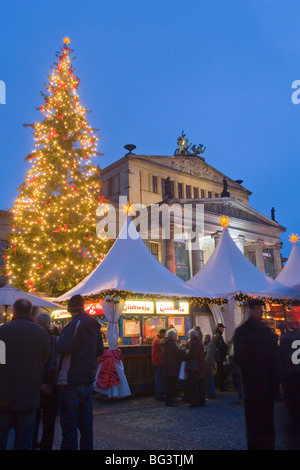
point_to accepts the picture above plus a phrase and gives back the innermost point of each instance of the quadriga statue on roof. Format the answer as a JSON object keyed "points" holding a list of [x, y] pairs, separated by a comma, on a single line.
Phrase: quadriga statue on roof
{"points": [[184, 147]]}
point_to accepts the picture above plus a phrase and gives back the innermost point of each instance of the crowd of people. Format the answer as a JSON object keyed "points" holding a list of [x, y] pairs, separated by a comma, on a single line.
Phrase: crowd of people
{"points": [[48, 373], [198, 362], [261, 368]]}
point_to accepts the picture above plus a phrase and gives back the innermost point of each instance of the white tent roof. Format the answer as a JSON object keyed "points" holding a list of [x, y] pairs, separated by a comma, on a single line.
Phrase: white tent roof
{"points": [[9, 294], [129, 266], [290, 274], [228, 272]]}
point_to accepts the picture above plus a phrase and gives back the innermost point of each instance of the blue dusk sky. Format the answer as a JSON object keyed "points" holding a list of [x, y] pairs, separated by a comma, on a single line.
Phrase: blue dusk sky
{"points": [[221, 71]]}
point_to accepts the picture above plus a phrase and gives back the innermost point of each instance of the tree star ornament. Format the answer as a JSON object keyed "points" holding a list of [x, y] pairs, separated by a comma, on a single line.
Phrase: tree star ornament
{"points": [[224, 221], [294, 238], [67, 40]]}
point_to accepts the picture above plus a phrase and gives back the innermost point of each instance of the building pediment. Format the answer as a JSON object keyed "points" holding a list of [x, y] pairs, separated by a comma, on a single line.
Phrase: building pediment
{"points": [[235, 209], [191, 166]]}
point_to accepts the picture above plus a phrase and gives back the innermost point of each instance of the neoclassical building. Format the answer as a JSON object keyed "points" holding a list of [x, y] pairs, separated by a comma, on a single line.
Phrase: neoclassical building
{"points": [[185, 179]]}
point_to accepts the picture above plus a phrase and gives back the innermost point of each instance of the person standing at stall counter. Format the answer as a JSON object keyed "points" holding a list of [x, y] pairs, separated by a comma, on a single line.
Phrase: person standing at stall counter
{"points": [[256, 353], [220, 354], [79, 345], [172, 355], [157, 364]]}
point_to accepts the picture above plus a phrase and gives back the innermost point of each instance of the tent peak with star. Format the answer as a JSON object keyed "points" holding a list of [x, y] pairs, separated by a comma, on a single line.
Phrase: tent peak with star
{"points": [[129, 266], [290, 274], [229, 273]]}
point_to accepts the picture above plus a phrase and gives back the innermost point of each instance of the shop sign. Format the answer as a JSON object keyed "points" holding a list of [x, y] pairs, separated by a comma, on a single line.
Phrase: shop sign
{"points": [[94, 309], [58, 314], [132, 306], [168, 308]]}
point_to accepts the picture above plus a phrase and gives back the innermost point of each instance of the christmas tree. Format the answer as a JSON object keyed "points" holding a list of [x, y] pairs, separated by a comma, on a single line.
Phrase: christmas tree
{"points": [[53, 244]]}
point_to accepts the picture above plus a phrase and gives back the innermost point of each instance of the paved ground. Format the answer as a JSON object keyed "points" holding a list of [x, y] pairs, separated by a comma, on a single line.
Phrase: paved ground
{"points": [[145, 424]]}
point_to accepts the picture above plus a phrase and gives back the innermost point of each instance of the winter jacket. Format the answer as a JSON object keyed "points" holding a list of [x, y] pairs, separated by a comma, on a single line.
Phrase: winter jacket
{"points": [[172, 355], [209, 351], [27, 348], [196, 352], [156, 351], [79, 345], [256, 354], [220, 346]]}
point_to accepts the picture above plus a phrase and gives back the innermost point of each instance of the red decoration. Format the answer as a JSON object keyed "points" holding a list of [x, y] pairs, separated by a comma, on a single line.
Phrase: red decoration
{"points": [[108, 376], [60, 228], [53, 133], [102, 199]]}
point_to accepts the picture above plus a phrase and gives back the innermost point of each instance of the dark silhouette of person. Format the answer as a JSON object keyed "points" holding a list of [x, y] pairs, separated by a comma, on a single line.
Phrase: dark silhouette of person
{"points": [[256, 354]]}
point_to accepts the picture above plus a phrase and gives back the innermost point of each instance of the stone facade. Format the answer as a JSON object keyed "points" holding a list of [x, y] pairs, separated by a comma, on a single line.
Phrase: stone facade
{"points": [[141, 179]]}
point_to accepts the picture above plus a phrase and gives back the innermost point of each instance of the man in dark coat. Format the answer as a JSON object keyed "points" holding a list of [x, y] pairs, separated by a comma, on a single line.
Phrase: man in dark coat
{"points": [[256, 354], [157, 364], [220, 354], [79, 345], [27, 348], [172, 355], [289, 351], [196, 370]]}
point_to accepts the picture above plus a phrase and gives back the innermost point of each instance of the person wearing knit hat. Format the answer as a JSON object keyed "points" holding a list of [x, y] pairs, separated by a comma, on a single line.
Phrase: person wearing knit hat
{"points": [[75, 304]]}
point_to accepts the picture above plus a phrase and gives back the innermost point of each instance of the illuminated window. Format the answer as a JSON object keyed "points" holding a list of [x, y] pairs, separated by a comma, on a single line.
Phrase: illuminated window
{"points": [[153, 248]]}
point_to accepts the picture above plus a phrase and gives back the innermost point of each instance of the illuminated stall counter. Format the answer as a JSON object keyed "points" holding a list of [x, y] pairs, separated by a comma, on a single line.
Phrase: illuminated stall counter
{"points": [[138, 325]]}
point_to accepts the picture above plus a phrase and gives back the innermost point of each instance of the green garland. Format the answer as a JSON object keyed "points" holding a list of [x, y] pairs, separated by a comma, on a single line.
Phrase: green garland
{"points": [[129, 295]]}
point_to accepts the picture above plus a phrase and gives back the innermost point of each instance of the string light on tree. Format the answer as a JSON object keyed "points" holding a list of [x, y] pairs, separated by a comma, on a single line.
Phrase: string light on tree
{"points": [[53, 243]]}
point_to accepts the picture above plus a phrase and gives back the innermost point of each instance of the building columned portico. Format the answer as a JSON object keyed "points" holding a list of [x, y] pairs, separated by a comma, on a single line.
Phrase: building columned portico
{"points": [[193, 184]]}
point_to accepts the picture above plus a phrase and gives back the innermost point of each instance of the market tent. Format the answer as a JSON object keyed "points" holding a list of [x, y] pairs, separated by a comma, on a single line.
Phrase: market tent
{"points": [[9, 294], [228, 273], [290, 274], [129, 266]]}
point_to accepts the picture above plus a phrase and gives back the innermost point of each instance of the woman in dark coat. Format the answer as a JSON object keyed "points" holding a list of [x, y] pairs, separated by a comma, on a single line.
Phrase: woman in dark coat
{"points": [[196, 370], [172, 355]]}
